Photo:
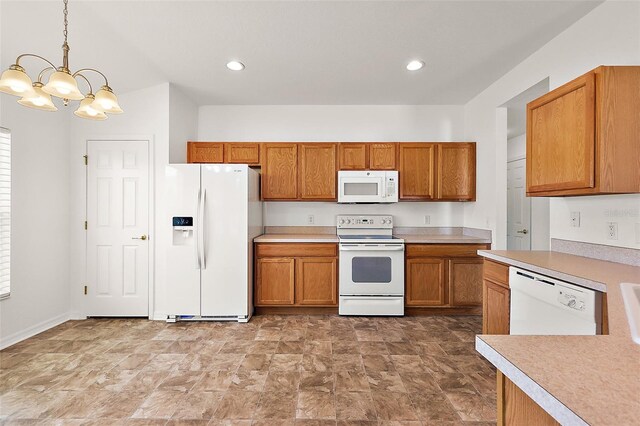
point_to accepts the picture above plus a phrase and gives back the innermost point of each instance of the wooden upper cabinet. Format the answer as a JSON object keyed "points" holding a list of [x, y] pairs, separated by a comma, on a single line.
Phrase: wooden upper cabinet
{"points": [[417, 171], [456, 171], [353, 156], [583, 138], [242, 153], [465, 276], [205, 152], [316, 281], [317, 171], [382, 156], [275, 281], [280, 171], [425, 282]]}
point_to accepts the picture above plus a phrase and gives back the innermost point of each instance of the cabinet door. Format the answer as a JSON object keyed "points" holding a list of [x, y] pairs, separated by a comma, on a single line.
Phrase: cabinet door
{"points": [[204, 152], [280, 171], [275, 281], [316, 281], [242, 153], [318, 171], [465, 282], [456, 171], [425, 282], [353, 156], [495, 308], [561, 138], [417, 171], [382, 156]]}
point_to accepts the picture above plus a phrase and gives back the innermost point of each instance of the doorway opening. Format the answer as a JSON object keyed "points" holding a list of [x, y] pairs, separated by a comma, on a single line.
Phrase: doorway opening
{"points": [[527, 217]]}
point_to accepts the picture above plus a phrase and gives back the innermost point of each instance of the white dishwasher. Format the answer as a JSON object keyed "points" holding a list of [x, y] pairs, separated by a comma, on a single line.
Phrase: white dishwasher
{"points": [[541, 305]]}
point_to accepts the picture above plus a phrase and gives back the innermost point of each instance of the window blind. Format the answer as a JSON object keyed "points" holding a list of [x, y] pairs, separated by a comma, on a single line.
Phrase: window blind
{"points": [[5, 213]]}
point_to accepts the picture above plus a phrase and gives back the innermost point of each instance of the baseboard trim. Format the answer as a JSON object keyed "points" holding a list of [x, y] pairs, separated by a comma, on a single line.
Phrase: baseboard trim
{"points": [[12, 339]]}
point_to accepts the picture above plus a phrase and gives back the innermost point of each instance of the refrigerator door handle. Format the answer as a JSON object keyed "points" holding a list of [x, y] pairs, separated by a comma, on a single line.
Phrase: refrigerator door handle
{"points": [[203, 219], [197, 232]]}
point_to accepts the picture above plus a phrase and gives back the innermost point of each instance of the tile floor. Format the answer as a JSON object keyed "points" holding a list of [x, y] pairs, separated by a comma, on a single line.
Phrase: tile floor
{"points": [[275, 370]]}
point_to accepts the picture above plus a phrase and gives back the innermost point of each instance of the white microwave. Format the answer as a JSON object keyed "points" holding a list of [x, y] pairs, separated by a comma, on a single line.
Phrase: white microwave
{"points": [[368, 186]]}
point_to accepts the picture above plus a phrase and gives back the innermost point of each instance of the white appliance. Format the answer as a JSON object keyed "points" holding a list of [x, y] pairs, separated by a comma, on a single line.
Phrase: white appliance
{"points": [[214, 212], [541, 305], [371, 266], [368, 186]]}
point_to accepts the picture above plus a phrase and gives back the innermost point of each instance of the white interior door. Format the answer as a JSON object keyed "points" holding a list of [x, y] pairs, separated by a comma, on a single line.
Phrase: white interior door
{"points": [[118, 228], [518, 207]]}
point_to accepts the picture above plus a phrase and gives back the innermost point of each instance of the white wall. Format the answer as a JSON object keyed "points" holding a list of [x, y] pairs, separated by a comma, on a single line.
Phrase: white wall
{"points": [[610, 34], [40, 223], [146, 117], [341, 123], [301, 123], [517, 147], [183, 124]]}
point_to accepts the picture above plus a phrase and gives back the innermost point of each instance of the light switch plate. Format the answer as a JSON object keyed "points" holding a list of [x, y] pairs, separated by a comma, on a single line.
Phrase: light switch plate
{"points": [[427, 219]]}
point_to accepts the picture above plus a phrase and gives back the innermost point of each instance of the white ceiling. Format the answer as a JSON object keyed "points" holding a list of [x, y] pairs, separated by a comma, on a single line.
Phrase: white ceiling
{"points": [[304, 52]]}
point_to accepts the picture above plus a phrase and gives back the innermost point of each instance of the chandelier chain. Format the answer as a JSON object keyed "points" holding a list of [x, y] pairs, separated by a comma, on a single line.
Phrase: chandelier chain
{"points": [[66, 22]]}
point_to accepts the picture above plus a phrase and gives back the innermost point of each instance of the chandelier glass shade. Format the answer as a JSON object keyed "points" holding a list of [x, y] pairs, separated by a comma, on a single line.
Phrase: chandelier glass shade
{"points": [[62, 83]]}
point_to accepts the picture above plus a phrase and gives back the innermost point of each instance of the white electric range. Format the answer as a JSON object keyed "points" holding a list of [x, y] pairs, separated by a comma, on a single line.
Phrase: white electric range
{"points": [[371, 266]]}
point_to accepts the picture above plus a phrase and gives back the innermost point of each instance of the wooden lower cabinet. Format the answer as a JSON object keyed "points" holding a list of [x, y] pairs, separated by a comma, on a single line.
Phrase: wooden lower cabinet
{"points": [[275, 279], [426, 282], [296, 275], [495, 309], [516, 408], [496, 298], [464, 277], [444, 275], [316, 281]]}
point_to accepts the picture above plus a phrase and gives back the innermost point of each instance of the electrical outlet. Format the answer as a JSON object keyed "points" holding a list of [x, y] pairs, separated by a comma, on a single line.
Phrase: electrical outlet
{"points": [[310, 219], [612, 230], [575, 219], [427, 219]]}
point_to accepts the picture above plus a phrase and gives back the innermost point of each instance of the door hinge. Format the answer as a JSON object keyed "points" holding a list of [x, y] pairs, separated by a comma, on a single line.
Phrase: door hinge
{"points": [[85, 225], [85, 289], [86, 159]]}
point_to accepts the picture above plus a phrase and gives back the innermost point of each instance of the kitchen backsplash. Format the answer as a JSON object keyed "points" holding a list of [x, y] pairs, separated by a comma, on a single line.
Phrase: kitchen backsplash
{"points": [[324, 214]]}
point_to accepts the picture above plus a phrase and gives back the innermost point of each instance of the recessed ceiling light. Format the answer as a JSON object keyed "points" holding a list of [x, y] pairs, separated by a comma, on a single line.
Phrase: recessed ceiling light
{"points": [[235, 66], [415, 65]]}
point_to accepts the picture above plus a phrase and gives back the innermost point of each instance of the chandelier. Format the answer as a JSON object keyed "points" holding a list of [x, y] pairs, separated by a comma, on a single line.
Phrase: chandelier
{"points": [[62, 83]]}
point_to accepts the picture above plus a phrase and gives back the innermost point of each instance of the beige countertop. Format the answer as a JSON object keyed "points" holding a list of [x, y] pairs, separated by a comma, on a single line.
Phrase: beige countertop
{"points": [[410, 238], [577, 379], [296, 238], [442, 239]]}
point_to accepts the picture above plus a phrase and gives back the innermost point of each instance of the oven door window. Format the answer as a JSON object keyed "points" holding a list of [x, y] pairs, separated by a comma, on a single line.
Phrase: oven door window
{"points": [[371, 270]]}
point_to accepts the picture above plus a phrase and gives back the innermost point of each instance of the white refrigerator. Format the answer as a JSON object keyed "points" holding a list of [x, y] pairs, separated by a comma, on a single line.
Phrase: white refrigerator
{"points": [[214, 213]]}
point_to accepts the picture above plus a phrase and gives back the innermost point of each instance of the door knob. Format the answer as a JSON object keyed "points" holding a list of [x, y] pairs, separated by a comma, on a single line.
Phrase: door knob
{"points": [[144, 237], [524, 231]]}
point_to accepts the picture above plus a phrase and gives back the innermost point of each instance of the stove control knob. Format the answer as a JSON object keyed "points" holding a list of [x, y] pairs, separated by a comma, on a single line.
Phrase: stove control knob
{"points": [[348, 221], [572, 303], [341, 221]]}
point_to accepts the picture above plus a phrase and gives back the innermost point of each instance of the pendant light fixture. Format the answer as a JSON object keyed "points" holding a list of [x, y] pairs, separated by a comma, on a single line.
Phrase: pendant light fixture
{"points": [[62, 84]]}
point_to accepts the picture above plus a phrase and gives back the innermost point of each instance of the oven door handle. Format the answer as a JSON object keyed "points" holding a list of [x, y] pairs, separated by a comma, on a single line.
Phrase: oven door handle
{"points": [[381, 247]]}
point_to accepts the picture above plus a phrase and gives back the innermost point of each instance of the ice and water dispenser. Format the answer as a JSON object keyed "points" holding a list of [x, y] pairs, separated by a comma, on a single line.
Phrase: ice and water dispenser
{"points": [[183, 232]]}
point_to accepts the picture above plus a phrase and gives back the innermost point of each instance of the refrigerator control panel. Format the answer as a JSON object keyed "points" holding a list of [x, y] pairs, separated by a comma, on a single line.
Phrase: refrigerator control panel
{"points": [[182, 221]]}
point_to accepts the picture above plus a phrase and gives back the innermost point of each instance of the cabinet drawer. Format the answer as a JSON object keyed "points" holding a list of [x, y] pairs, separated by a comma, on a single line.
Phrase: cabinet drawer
{"points": [[296, 249], [444, 250], [496, 272]]}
